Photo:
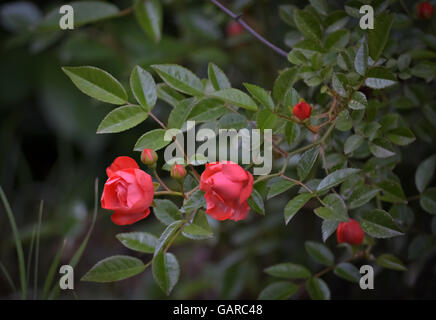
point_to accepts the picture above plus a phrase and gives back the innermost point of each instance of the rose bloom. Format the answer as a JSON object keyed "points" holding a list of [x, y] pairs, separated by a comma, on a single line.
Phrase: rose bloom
{"points": [[128, 191], [302, 110], [425, 10], [350, 232], [227, 188]]}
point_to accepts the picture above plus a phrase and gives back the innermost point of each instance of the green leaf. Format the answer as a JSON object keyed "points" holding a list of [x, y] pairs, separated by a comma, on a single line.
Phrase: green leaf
{"points": [[84, 12], [336, 20], [317, 289], [232, 121], [235, 97], [428, 200], [379, 224], [207, 110], [166, 271], [166, 211], [328, 227], [390, 261], [143, 87], [168, 94], [279, 186], [307, 24], [344, 122], [138, 241], [122, 118], [306, 162], [381, 148], [378, 37], [361, 59], [320, 253], [256, 202], [294, 205], [353, 143], [199, 228], [335, 178], [281, 290], [148, 13], [336, 206], [288, 271], [361, 195], [285, 13], [392, 191], [283, 83], [339, 84], [180, 113], [424, 173], [114, 268], [292, 132], [97, 84], [320, 6], [180, 78], [358, 101], [167, 235], [266, 119], [379, 78], [347, 271], [217, 77], [337, 40], [297, 57], [328, 214], [401, 136], [195, 201], [153, 139], [260, 95]]}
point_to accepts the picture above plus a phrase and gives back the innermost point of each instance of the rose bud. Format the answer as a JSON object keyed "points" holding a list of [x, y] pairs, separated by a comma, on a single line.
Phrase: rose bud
{"points": [[302, 110], [227, 186], [425, 10], [178, 172], [128, 191], [234, 28], [350, 232], [149, 157]]}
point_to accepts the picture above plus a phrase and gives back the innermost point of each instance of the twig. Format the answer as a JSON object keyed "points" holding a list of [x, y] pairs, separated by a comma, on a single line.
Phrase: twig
{"points": [[160, 181], [238, 18], [193, 170]]}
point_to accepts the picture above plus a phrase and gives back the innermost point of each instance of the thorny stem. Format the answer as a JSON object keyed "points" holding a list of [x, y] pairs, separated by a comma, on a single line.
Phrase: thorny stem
{"points": [[194, 172], [238, 18], [168, 193]]}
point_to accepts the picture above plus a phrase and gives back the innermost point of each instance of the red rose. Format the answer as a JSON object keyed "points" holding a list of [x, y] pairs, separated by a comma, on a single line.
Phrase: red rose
{"points": [[128, 191], [227, 188], [350, 232], [234, 28], [425, 10], [302, 110]]}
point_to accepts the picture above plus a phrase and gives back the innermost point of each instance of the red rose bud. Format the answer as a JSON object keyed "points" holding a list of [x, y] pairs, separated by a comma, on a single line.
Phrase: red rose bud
{"points": [[425, 10], [302, 110], [234, 28], [350, 232], [178, 171], [149, 157]]}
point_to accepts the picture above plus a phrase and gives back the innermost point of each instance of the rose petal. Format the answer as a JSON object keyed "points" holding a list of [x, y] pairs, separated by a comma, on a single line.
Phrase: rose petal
{"points": [[122, 218], [120, 163]]}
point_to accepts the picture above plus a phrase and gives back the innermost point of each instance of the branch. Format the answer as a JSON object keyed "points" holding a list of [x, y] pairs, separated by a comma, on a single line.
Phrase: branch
{"points": [[238, 18]]}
